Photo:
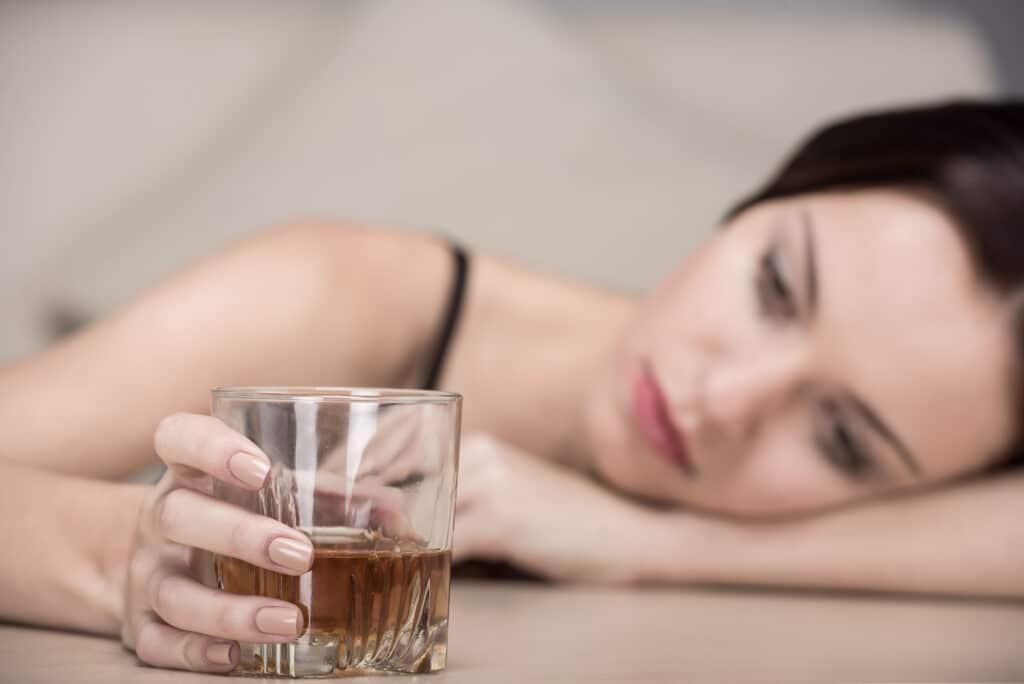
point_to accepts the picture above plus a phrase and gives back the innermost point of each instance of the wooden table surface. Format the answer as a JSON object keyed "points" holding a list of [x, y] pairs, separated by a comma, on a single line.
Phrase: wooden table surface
{"points": [[519, 632]]}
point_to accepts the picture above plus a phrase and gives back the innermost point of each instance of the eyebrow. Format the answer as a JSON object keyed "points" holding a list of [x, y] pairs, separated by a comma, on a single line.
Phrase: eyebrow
{"points": [[810, 263], [879, 426], [862, 408]]}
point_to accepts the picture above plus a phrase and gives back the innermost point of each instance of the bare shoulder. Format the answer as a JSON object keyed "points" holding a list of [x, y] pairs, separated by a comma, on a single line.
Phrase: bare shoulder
{"points": [[379, 254], [393, 282], [510, 290]]}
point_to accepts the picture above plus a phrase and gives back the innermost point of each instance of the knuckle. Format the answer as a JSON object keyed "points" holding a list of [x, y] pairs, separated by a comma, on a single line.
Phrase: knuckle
{"points": [[232, 620], [486, 454], [490, 474], [479, 442], [168, 512], [139, 567], [147, 643], [167, 430], [127, 636], [161, 592], [149, 516]]}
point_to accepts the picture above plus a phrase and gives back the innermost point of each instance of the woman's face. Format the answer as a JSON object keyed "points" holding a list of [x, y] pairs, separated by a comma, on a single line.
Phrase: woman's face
{"points": [[817, 350]]}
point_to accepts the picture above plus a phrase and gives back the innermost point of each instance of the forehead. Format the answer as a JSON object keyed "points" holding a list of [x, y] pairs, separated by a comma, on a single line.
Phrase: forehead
{"points": [[906, 324]]}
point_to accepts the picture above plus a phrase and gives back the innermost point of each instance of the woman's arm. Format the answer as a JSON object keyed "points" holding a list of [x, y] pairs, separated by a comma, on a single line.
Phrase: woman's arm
{"points": [[967, 539], [304, 304], [301, 305], [65, 545]]}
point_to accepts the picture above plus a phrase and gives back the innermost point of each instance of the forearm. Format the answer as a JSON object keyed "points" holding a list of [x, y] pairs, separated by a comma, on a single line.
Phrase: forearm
{"points": [[226, 321], [65, 547], [964, 540]]}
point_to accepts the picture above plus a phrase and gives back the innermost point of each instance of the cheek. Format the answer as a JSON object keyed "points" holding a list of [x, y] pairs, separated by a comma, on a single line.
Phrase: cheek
{"points": [[770, 486], [777, 474], [708, 305]]}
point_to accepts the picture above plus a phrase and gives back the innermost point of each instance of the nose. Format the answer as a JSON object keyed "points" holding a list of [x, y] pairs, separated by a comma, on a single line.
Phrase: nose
{"points": [[740, 393]]}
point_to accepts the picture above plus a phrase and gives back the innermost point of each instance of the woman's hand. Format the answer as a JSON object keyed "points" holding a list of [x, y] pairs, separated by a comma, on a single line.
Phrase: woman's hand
{"points": [[544, 518], [171, 618]]}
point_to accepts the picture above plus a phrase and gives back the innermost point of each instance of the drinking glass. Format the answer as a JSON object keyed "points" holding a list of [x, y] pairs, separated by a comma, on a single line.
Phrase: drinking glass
{"points": [[368, 474]]}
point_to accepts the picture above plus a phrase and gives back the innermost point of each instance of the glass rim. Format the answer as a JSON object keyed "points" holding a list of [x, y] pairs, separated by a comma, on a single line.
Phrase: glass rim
{"points": [[390, 395]]}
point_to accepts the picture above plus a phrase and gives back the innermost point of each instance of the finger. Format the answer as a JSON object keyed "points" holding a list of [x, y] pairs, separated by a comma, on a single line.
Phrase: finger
{"points": [[424, 452], [482, 471], [161, 645], [143, 567], [366, 503], [187, 517], [394, 436], [474, 484], [184, 603], [369, 488], [394, 431], [474, 537], [207, 445]]}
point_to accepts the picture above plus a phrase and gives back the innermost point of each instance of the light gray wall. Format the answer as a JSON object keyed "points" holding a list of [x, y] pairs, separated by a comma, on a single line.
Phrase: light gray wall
{"points": [[599, 139]]}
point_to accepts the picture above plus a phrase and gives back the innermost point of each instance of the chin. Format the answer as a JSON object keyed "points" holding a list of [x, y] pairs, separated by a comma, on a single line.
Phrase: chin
{"points": [[607, 439], [617, 459]]}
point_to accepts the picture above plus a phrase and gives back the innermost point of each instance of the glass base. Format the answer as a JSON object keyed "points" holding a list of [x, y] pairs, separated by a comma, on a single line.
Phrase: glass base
{"points": [[319, 660]]}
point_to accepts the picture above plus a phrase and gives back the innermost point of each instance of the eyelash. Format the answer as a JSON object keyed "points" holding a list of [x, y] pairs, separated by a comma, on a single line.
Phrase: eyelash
{"points": [[775, 298], [774, 295], [841, 450]]}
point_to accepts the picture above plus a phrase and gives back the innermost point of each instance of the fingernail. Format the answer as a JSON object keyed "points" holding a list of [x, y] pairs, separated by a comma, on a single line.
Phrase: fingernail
{"points": [[250, 469], [279, 621], [290, 553], [219, 653]]}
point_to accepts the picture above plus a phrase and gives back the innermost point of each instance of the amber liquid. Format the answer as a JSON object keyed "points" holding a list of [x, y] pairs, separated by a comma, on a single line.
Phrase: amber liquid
{"points": [[383, 605]]}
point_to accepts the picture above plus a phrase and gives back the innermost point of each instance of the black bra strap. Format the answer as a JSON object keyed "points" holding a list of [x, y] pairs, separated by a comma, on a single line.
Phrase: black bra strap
{"points": [[451, 317]]}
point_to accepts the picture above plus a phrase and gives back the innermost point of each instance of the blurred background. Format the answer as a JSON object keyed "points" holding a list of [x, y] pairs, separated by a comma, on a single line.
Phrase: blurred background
{"points": [[599, 139]]}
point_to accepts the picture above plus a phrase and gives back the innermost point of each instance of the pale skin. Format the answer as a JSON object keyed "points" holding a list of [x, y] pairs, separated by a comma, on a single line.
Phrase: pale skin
{"points": [[753, 378]]}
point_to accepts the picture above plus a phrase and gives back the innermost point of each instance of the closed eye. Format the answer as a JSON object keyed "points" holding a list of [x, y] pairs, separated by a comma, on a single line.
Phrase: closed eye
{"points": [[840, 447], [774, 293]]}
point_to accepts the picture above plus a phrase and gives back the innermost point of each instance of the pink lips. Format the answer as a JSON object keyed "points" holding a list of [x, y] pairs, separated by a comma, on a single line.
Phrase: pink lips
{"points": [[651, 414]]}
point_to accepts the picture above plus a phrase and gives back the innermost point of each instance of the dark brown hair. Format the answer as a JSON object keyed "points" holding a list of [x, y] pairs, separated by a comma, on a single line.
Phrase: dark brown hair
{"points": [[966, 157]]}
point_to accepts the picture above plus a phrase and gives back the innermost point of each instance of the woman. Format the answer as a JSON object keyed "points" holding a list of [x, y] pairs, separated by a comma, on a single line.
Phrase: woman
{"points": [[849, 336]]}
